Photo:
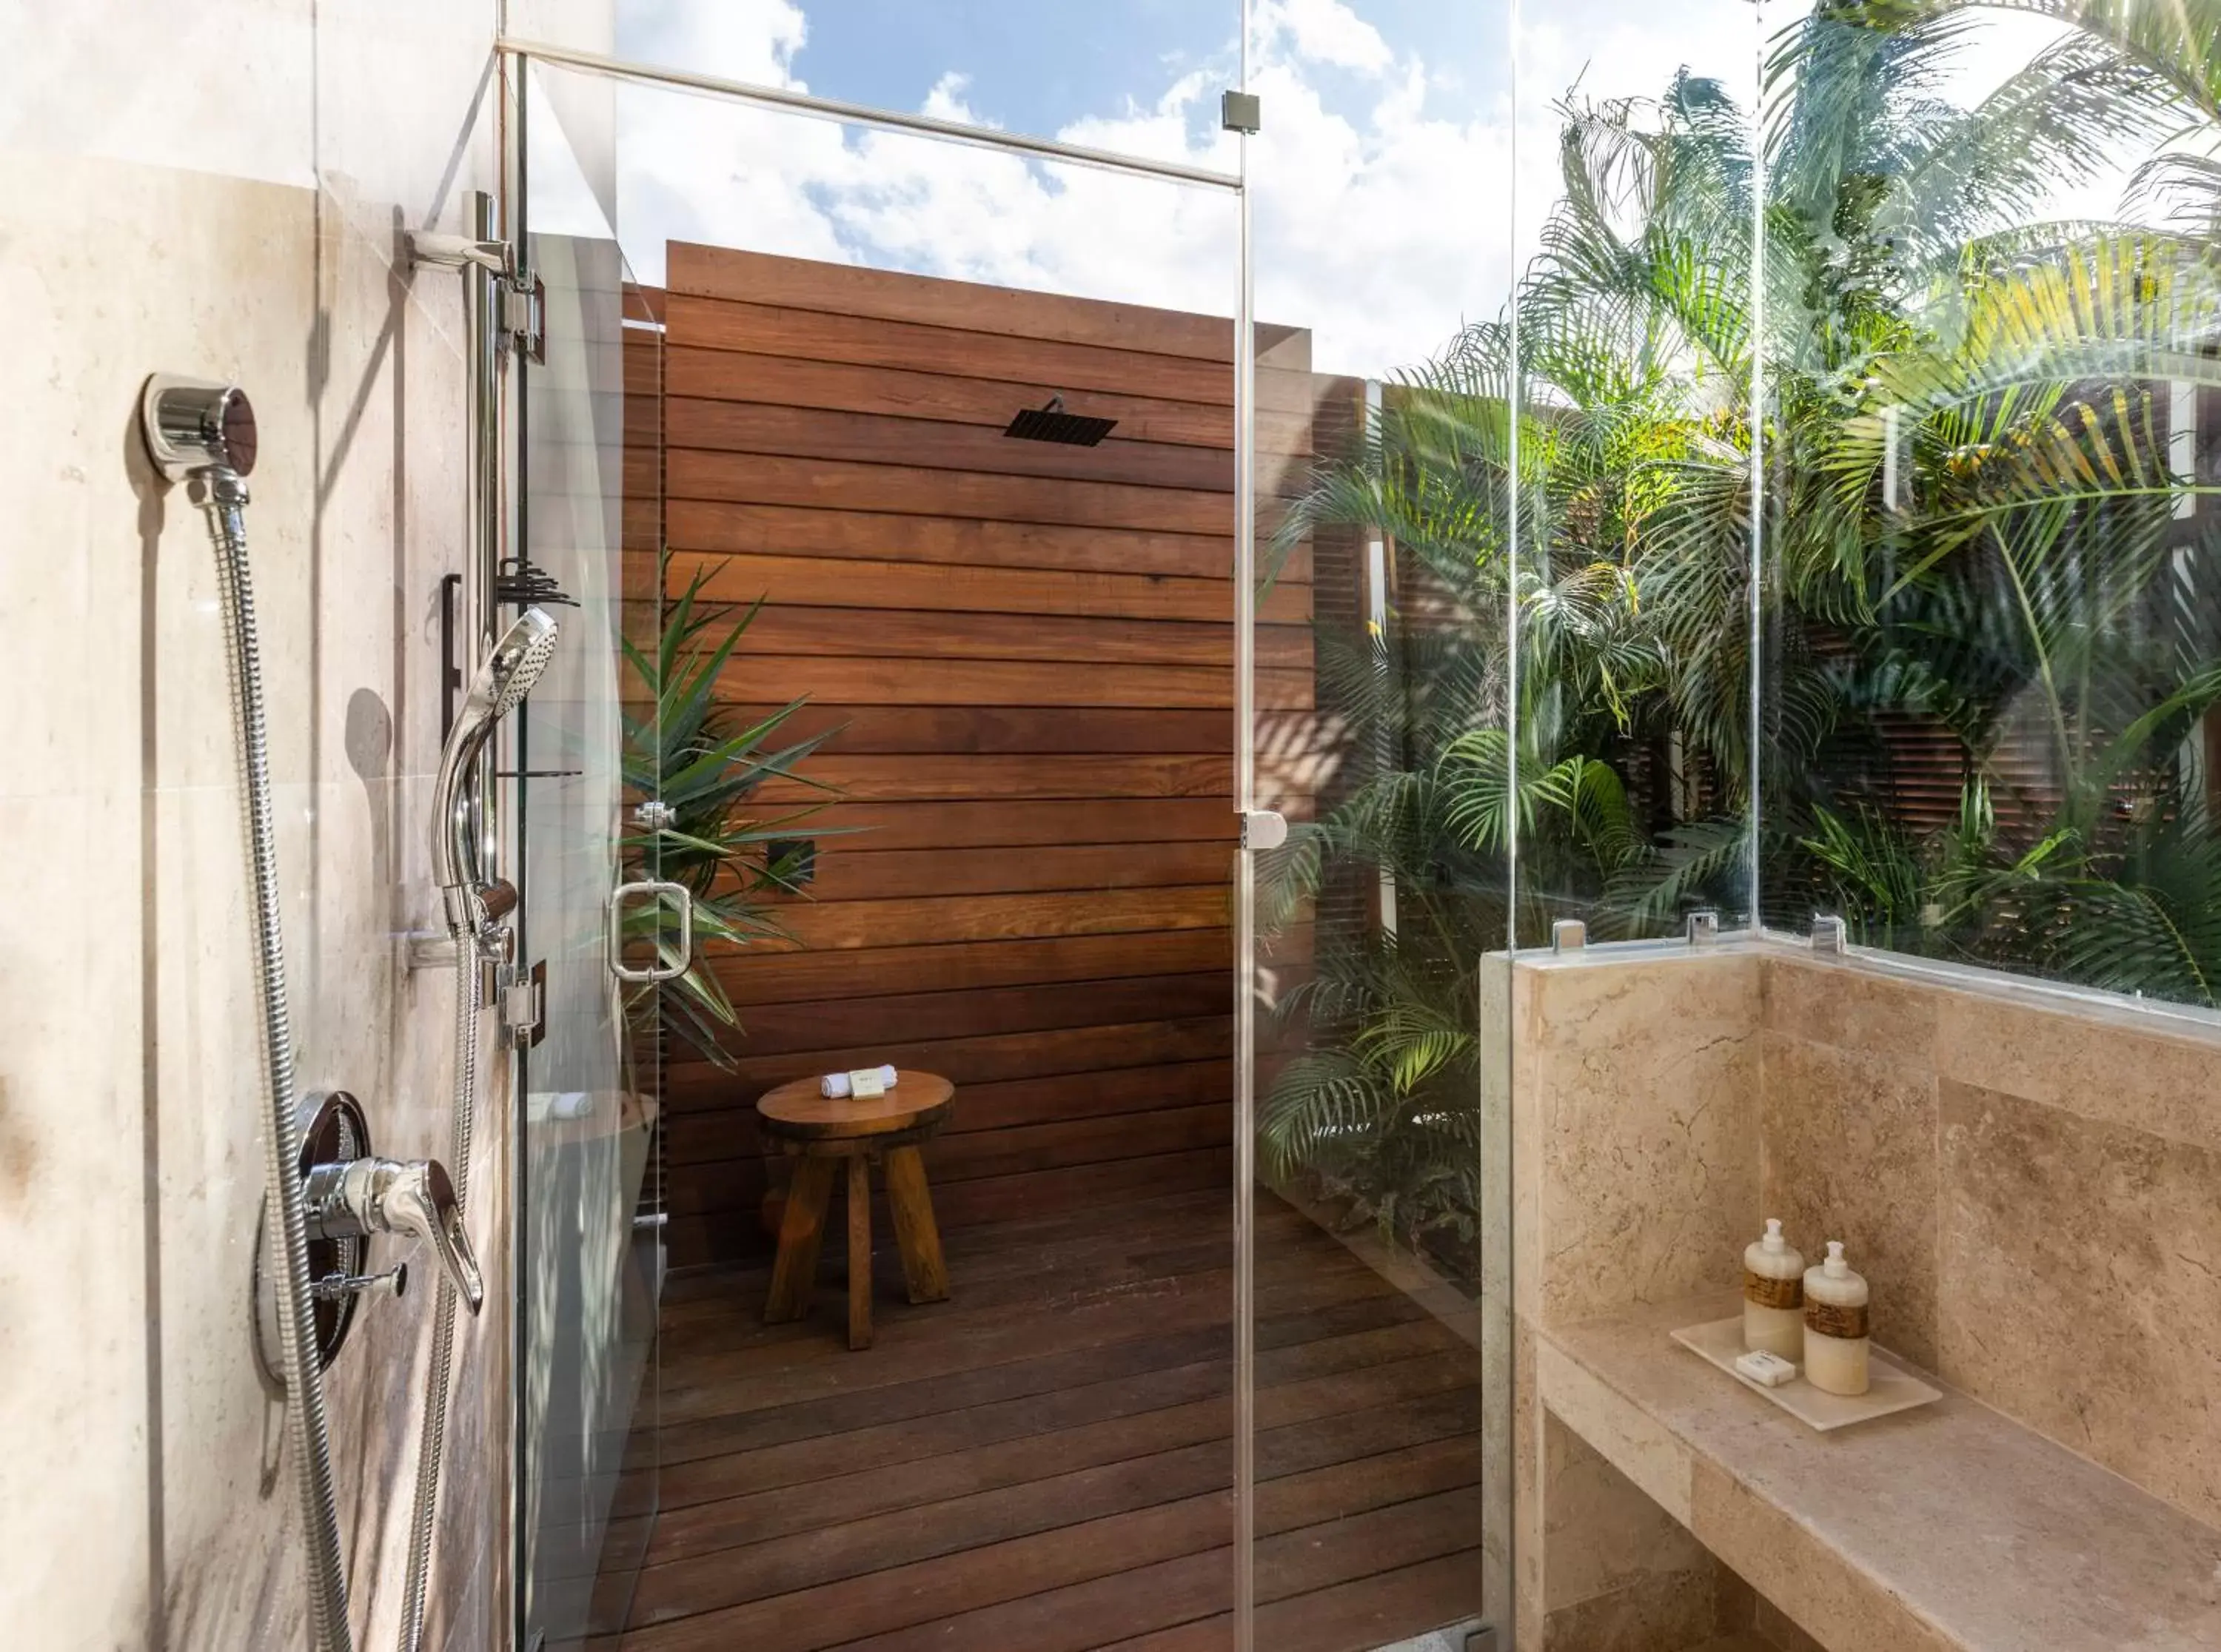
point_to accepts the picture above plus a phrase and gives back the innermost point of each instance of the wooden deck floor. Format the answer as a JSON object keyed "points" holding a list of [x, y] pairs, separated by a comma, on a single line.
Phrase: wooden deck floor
{"points": [[1042, 1464]]}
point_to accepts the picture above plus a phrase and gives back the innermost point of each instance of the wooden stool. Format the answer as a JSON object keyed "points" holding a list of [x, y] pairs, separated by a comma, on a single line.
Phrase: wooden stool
{"points": [[821, 1132]]}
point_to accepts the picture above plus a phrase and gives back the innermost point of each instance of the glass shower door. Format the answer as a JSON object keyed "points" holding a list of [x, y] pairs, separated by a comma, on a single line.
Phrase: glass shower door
{"points": [[590, 1253], [1373, 906]]}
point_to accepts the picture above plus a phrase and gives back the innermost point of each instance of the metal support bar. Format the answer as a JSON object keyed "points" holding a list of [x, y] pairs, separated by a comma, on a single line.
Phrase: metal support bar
{"points": [[833, 108]]}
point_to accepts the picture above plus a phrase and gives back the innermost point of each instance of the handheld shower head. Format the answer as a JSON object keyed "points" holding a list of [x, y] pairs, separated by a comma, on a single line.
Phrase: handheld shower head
{"points": [[510, 670], [506, 678]]}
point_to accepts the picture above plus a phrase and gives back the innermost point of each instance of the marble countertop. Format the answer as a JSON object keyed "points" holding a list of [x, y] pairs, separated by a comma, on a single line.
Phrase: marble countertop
{"points": [[1949, 1527]]}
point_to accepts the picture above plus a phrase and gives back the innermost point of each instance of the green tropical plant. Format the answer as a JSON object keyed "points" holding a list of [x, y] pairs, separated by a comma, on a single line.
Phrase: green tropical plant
{"points": [[1972, 523], [706, 764]]}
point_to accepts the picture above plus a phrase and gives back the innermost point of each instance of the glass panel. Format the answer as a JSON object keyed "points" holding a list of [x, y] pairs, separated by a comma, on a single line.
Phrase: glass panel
{"points": [[1117, 74], [1383, 684], [1633, 546], [1991, 529], [590, 1254], [979, 814]]}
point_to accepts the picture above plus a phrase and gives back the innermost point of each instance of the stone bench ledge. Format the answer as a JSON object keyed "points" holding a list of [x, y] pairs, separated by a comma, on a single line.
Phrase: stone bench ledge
{"points": [[1946, 1527]]}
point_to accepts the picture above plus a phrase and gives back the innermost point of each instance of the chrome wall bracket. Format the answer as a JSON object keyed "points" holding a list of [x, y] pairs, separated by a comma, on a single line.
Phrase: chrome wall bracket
{"points": [[1829, 934], [520, 295], [1568, 935], [1704, 928]]}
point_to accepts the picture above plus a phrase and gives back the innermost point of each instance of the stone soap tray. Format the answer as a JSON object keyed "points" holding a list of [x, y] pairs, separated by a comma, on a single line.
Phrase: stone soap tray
{"points": [[1893, 1388]]}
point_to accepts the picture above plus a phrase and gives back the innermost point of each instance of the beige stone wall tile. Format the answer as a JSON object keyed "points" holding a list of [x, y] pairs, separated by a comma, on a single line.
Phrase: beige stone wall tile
{"points": [[1792, 1566], [1527, 1491], [1777, 1629], [2080, 1286], [1601, 1532], [1642, 1109], [1669, 1613], [1850, 1144], [2114, 1067], [1656, 1461], [1850, 1008]]}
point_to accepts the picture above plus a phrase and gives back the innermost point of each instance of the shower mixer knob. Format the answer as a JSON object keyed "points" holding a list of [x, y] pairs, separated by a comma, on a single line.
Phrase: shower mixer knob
{"points": [[359, 1197]]}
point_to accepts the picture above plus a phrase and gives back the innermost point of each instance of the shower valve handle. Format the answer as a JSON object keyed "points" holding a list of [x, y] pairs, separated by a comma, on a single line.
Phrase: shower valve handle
{"points": [[359, 1197]]}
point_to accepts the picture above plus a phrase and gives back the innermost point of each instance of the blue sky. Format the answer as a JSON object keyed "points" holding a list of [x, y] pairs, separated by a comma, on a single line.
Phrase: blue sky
{"points": [[1384, 183]]}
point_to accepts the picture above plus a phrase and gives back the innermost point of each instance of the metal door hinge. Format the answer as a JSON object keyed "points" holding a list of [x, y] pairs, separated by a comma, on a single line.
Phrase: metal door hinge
{"points": [[524, 1004], [1240, 112], [1263, 829], [524, 313]]}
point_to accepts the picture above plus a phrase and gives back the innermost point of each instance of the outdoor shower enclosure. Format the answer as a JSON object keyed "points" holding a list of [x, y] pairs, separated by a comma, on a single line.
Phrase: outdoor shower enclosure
{"points": [[1714, 591]]}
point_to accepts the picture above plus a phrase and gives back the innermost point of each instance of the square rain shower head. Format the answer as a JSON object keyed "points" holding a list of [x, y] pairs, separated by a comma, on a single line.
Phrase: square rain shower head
{"points": [[1053, 424]]}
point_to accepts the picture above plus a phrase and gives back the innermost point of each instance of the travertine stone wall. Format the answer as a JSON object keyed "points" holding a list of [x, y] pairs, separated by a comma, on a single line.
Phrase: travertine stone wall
{"points": [[1635, 1108], [220, 190], [2029, 1181], [2036, 1189]]}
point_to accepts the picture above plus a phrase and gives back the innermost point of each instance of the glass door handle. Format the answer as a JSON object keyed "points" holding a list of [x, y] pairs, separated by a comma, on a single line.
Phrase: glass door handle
{"points": [[658, 970]]}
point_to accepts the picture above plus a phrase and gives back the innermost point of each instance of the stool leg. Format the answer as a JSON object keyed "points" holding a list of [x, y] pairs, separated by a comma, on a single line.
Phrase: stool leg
{"points": [[923, 1268], [860, 1251], [801, 1232]]}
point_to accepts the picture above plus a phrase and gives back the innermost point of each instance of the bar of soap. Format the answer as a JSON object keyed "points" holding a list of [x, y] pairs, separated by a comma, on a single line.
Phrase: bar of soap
{"points": [[1767, 1370]]}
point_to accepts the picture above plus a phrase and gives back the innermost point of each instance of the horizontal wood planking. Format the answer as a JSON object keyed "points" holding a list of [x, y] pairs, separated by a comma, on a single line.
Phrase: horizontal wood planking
{"points": [[855, 871], [719, 1235], [818, 582], [1002, 730], [1025, 1007], [776, 330], [1022, 823], [755, 981], [897, 634], [939, 445], [849, 387], [887, 296], [919, 777], [860, 679], [902, 489], [977, 1478], [948, 540], [694, 1188], [989, 1058], [930, 920], [1020, 655]]}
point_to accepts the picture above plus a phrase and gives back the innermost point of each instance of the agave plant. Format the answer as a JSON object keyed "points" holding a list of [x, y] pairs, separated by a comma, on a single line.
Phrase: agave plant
{"points": [[705, 765]]}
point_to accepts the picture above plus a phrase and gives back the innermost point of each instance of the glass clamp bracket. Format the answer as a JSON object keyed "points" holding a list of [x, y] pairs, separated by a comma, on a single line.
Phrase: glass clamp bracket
{"points": [[1263, 829]]}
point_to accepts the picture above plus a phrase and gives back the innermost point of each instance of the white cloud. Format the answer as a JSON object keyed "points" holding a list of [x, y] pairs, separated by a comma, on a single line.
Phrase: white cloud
{"points": [[1385, 207], [1323, 31]]}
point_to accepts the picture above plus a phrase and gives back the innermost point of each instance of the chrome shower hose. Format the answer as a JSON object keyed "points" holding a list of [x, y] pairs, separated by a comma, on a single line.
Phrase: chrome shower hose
{"points": [[308, 1439]]}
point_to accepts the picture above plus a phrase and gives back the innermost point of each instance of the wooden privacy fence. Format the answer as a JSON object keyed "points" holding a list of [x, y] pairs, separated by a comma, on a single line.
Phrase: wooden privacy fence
{"points": [[1028, 650]]}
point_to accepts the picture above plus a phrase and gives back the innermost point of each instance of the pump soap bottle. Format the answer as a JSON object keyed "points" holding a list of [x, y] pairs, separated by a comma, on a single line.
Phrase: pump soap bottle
{"points": [[1773, 1296], [1836, 1326]]}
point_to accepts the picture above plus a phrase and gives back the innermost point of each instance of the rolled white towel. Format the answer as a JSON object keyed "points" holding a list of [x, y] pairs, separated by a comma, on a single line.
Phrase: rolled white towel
{"points": [[836, 1087]]}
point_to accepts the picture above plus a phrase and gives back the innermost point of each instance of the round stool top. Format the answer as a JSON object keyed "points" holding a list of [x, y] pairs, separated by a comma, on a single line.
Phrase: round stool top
{"points": [[913, 1101]]}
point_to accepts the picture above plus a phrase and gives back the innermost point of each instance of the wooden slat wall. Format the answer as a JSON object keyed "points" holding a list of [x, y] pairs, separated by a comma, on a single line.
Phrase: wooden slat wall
{"points": [[1028, 650]]}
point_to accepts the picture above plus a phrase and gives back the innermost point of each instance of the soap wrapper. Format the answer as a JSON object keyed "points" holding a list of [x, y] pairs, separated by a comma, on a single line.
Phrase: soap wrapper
{"points": [[1767, 1370], [863, 1083]]}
